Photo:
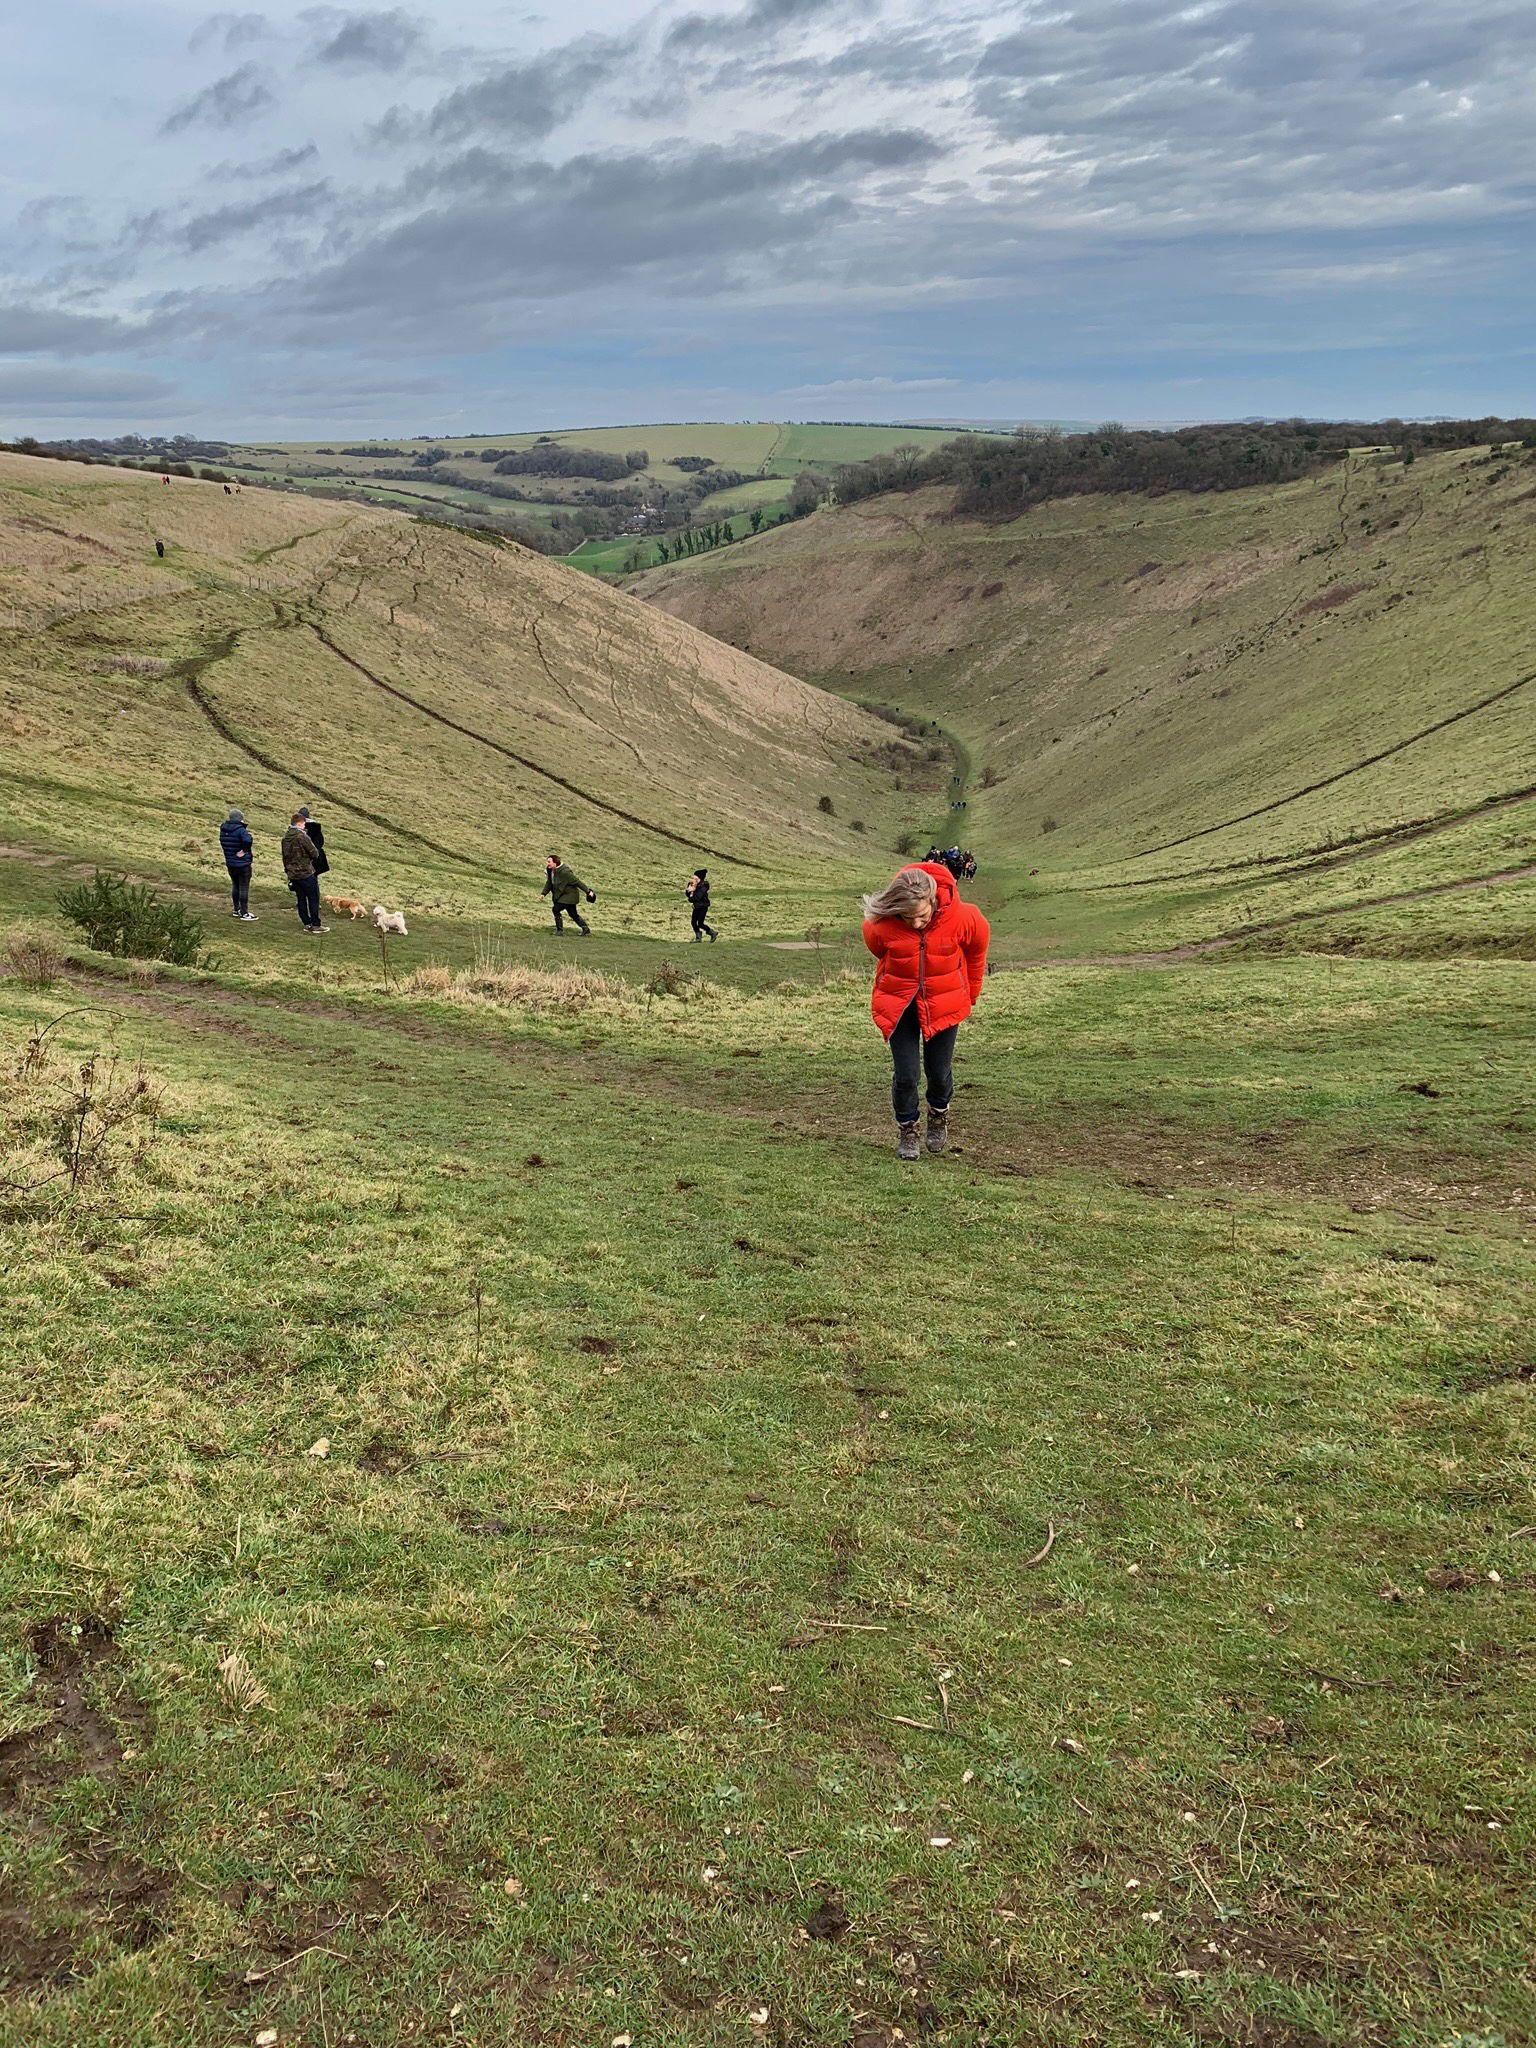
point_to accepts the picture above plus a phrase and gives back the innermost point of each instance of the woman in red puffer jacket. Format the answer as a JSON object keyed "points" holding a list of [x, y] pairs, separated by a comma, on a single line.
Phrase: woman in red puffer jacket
{"points": [[932, 955]]}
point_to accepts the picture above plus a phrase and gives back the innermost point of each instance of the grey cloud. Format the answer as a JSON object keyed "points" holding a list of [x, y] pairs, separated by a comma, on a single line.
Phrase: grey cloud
{"points": [[48, 385], [25, 330], [1249, 114], [237, 97], [229, 31], [524, 101], [697, 218], [277, 209], [278, 165], [762, 19], [380, 41]]}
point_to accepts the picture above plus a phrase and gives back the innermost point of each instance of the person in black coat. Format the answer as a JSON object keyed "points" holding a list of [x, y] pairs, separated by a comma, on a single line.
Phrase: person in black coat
{"points": [[237, 847], [697, 892], [316, 835]]}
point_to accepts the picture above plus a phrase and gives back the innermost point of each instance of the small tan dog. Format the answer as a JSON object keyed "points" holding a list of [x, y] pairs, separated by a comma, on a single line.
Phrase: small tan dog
{"points": [[389, 920], [349, 904]]}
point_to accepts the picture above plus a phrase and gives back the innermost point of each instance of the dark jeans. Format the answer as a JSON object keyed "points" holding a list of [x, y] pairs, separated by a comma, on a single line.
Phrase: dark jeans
{"points": [[911, 1054], [570, 910], [701, 919], [240, 890], [306, 899]]}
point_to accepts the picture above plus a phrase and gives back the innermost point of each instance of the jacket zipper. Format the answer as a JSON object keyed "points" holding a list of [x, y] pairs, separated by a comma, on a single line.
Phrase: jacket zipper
{"points": [[922, 961]]}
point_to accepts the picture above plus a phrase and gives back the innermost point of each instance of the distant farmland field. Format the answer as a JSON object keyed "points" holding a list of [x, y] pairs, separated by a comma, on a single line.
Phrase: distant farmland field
{"points": [[767, 452]]}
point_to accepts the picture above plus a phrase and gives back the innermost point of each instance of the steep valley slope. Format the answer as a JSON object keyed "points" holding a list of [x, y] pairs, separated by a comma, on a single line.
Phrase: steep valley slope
{"points": [[457, 708], [1190, 715]]}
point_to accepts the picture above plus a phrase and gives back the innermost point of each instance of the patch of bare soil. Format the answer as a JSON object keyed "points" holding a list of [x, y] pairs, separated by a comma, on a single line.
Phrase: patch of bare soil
{"points": [[103, 1899]]}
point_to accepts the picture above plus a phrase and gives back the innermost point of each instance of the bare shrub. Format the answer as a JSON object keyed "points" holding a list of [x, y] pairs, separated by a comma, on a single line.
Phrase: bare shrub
{"points": [[33, 957], [65, 1127]]}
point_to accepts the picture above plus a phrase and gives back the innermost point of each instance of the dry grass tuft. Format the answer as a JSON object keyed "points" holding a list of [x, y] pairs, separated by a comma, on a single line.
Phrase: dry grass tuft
{"points": [[240, 1686], [33, 957], [562, 991]]}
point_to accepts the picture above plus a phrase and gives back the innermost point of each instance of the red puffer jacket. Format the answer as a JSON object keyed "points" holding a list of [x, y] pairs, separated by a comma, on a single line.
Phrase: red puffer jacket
{"points": [[942, 967]]}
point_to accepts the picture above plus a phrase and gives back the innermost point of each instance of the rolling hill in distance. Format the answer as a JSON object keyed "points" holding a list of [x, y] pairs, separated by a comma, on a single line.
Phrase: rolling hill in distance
{"points": [[463, 706], [1191, 714]]}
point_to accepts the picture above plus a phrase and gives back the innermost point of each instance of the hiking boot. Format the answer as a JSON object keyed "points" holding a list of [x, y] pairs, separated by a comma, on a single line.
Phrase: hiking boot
{"points": [[907, 1146], [713, 936], [938, 1129]]}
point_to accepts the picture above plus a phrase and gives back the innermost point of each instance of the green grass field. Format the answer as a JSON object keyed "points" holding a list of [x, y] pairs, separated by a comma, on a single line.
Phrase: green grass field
{"points": [[526, 1525], [518, 1522], [766, 451]]}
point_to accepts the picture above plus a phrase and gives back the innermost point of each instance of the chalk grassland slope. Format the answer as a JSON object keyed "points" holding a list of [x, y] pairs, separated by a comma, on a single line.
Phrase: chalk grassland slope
{"points": [[457, 708], [1217, 692]]}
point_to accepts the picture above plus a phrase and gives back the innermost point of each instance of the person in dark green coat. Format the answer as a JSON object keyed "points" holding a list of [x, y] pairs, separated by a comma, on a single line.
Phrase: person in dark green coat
{"points": [[565, 889]]}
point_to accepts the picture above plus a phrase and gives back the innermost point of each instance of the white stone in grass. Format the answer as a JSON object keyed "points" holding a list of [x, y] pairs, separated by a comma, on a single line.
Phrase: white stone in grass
{"points": [[320, 1448], [941, 1841]]}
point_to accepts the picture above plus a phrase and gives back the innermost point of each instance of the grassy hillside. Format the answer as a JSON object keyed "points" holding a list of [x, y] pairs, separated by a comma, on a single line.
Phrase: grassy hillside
{"points": [[528, 1527], [1188, 714], [525, 1525], [454, 708]]}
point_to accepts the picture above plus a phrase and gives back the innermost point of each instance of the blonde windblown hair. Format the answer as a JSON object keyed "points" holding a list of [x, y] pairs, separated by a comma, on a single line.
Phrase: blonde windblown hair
{"points": [[906, 889]]}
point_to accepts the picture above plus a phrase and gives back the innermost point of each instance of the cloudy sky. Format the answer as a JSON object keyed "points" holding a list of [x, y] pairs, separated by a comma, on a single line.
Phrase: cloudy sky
{"points": [[464, 217]]}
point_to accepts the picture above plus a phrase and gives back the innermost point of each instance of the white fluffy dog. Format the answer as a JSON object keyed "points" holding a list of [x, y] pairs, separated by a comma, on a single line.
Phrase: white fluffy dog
{"points": [[389, 920]]}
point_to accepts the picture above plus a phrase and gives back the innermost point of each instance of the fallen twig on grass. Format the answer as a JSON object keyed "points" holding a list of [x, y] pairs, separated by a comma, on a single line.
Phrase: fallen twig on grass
{"points": [[1044, 1552], [906, 1721], [257, 1976], [1528, 1530], [1194, 1866], [862, 1628]]}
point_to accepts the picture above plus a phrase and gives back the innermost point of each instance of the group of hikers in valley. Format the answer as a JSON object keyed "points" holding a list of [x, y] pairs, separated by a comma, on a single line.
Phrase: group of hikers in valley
{"points": [[930, 951]]}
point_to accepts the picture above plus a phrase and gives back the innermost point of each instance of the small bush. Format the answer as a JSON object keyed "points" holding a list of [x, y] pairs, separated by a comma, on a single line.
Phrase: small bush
{"points": [[824, 805], [671, 980], [130, 921], [905, 843], [1047, 824], [856, 825], [64, 1127], [33, 958]]}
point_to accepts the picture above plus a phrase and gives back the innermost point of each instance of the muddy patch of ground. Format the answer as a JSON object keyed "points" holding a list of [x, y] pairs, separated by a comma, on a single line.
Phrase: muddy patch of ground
{"points": [[71, 1898]]}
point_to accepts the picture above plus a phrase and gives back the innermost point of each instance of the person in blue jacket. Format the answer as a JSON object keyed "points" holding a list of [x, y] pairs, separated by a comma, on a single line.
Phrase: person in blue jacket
{"points": [[235, 839]]}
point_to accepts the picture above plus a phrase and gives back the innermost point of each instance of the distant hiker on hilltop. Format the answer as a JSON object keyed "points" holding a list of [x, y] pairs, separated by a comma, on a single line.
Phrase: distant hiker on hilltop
{"points": [[932, 955], [565, 889], [300, 854], [237, 846], [697, 892]]}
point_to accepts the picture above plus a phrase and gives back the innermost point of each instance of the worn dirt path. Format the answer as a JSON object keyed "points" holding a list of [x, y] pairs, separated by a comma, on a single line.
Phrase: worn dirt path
{"points": [[1158, 1157]]}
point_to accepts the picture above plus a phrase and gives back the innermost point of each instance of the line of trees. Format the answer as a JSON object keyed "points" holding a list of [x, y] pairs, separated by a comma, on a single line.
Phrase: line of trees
{"points": [[999, 478]]}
